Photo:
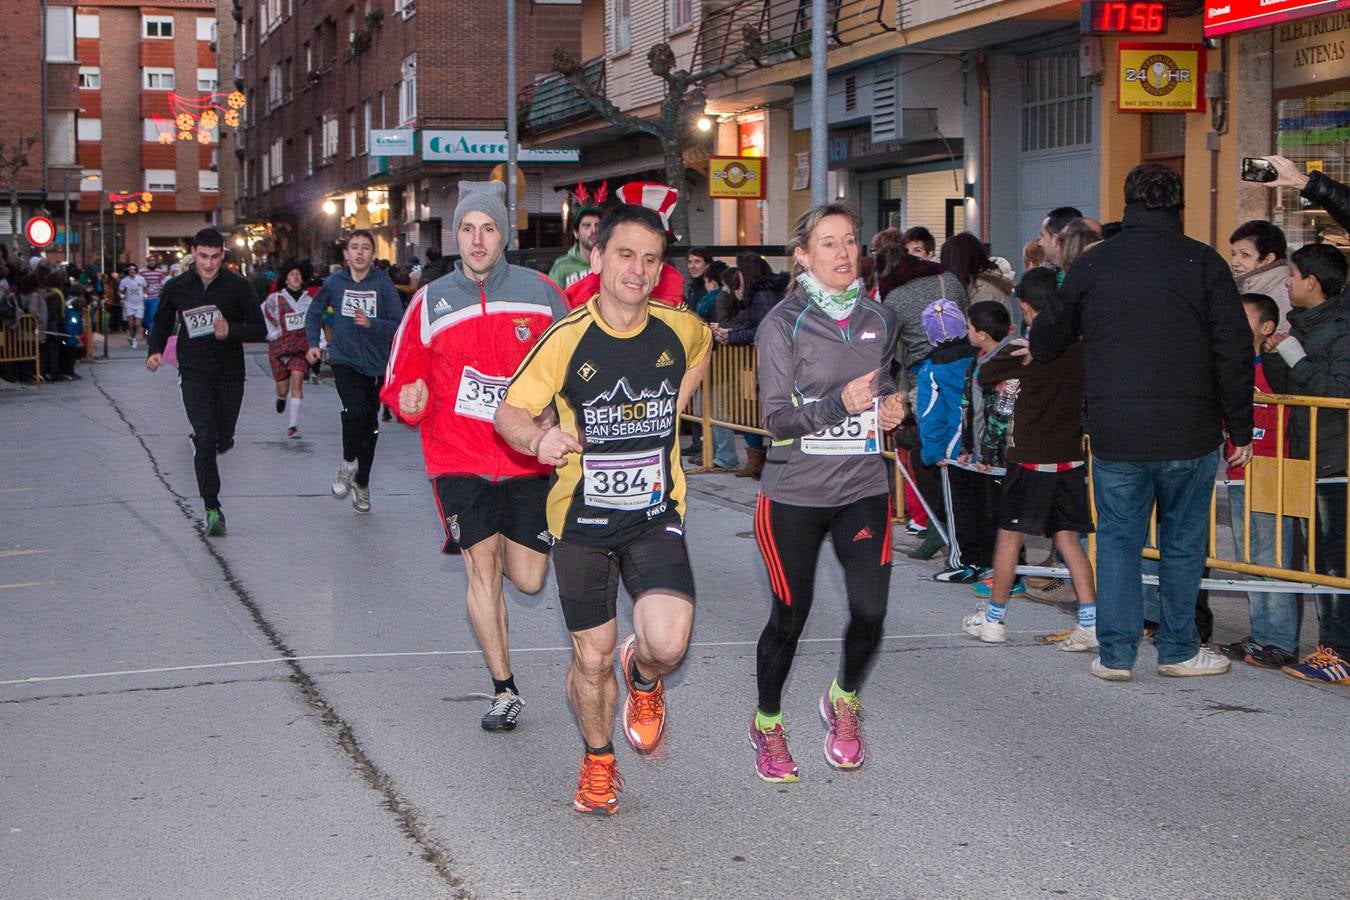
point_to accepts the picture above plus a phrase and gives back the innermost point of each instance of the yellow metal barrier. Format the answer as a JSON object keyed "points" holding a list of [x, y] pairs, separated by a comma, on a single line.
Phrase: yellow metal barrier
{"points": [[22, 343], [1278, 485]]}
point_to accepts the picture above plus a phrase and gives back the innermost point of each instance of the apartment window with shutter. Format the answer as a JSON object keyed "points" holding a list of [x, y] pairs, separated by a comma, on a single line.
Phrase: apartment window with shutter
{"points": [[157, 79], [407, 95], [163, 181], [330, 136], [309, 153], [89, 129], [275, 156], [367, 116], [351, 133], [60, 34], [86, 26], [156, 27], [623, 25], [207, 80], [208, 182], [61, 137], [91, 79]]}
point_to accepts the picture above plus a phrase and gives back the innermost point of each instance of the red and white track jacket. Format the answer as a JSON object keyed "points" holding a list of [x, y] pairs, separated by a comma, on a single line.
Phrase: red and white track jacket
{"points": [[465, 338]]}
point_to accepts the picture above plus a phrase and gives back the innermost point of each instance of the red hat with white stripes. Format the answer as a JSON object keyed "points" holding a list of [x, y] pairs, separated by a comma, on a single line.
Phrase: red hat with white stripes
{"points": [[659, 198]]}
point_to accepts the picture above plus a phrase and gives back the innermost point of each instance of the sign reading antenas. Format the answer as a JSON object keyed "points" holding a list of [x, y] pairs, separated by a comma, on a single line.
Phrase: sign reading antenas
{"points": [[1227, 16]]}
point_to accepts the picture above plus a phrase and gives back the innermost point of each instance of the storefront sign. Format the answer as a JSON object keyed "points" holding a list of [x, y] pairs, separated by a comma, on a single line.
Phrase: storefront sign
{"points": [[1312, 50], [1227, 16], [736, 177], [393, 142], [1161, 77], [484, 147]]}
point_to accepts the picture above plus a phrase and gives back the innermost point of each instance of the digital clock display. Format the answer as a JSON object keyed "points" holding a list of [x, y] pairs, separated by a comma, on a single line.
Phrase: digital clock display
{"points": [[1124, 17]]}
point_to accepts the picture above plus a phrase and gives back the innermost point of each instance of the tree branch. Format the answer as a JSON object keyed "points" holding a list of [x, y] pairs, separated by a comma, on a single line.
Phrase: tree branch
{"points": [[565, 66]]}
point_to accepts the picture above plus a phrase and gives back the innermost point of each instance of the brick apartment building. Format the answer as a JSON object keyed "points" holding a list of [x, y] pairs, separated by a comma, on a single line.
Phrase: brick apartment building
{"points": [[142, 66], [426, 78], [38, 78]]}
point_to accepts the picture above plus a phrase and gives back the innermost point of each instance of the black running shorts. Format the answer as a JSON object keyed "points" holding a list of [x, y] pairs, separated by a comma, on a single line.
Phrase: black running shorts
{"points": [[1043, 503], [473, 509], [655, 561]]}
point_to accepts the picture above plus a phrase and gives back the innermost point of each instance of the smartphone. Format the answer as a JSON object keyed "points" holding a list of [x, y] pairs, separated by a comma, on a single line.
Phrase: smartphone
{"points": [[1256, 168]]}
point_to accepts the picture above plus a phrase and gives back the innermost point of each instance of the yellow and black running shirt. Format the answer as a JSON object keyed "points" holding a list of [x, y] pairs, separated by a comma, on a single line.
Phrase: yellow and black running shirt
{"points": [[616, 391]]}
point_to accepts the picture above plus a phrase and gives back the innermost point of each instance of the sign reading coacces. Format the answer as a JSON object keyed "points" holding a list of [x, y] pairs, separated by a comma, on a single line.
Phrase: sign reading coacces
{"points": [[1161, 77], [1227, 16], [444, 145]]}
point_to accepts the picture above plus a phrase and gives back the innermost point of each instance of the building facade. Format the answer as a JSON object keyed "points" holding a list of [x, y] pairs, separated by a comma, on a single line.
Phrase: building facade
{"points": [[367, 113], [982, 115], [151, 110], [38, 69]]}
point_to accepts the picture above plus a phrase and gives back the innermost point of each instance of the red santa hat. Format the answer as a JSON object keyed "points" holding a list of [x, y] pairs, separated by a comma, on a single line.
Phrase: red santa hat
{"points": [[659, 198]]}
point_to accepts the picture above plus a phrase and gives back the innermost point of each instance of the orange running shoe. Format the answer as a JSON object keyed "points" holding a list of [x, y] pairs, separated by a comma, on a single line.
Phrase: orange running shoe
{"points": [[644, 712], [598, 785]]}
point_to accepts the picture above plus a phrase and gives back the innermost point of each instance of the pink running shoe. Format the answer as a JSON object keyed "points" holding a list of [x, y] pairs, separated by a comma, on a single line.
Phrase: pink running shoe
{"points": [[844, 747], [773, 762]]}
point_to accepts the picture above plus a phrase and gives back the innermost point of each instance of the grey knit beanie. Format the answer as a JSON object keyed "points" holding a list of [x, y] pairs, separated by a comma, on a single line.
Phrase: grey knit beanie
{"points": [[486, 197]]}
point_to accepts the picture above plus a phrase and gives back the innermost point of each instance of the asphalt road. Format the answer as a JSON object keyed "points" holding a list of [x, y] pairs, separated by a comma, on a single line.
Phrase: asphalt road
{"points": [[293, 709]]}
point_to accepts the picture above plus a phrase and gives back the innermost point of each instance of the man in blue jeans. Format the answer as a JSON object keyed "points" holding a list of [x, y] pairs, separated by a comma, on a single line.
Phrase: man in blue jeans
{"points": [[1167, 369]]}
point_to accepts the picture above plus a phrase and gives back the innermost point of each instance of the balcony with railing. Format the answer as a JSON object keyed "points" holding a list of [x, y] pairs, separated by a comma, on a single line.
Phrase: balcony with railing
{"points": [[784, 29], [553, 102]]}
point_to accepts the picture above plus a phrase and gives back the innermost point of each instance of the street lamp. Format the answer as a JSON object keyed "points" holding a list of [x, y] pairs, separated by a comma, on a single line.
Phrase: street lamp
{"points": [[330, 207], [704, 124]]}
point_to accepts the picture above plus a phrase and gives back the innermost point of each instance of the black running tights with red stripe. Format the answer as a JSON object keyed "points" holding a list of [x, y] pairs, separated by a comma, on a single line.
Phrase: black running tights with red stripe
{"points": [[789, 539]]}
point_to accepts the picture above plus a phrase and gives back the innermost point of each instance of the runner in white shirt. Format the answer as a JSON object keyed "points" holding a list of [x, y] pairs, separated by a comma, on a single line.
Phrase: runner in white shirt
{"points": [[132, 291]]}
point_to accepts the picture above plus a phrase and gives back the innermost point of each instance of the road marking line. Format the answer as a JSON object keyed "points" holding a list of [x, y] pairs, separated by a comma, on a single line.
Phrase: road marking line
{"points": [[6, 554], [16, 490], [24, 584], [39, 679]]}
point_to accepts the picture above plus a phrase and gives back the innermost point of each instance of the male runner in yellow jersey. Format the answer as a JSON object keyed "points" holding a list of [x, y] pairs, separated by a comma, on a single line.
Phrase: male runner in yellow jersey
{"points": [[618, 371]]}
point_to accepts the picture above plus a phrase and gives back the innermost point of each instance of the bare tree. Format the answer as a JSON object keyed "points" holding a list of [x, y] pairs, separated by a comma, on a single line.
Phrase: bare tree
{"points": [[13, 160], [683, 103]]}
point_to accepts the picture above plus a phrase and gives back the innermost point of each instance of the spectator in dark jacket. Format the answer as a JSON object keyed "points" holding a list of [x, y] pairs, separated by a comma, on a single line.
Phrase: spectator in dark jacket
{"points": [[436, 266], [1326, 192], [1167, 366], [1317, 353], [763, 289]]}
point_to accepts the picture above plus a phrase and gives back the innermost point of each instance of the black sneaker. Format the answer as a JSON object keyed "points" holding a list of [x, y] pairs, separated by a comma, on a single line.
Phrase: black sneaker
{"points": [[1238, 650], [281, 404], [963, 575], [1270, 657], [502, 714]]}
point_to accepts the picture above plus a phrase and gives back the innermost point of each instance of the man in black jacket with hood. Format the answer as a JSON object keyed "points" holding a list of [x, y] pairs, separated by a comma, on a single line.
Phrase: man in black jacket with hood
{"points": [[213, 311], [1167, 368]]}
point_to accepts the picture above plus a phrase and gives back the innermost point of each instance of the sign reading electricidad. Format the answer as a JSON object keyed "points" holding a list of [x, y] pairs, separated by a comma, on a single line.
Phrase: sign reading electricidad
{"points": [[444, 145]]}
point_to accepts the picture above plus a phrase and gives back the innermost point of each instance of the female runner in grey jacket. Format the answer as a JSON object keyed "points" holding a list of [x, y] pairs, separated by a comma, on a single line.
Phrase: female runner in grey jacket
{"points": [[824, 354]]}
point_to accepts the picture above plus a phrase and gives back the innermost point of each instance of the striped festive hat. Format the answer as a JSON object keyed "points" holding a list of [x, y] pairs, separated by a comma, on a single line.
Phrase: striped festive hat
{"points": [[657, 197]]}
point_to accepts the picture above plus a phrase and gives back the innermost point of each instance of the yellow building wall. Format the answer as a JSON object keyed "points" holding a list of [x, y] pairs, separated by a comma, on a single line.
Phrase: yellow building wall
{"points": [[1122, 146]]}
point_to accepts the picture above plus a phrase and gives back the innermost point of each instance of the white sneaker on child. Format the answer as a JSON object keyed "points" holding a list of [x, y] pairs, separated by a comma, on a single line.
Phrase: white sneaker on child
{"points": [[1079, 640], [978, 625]]}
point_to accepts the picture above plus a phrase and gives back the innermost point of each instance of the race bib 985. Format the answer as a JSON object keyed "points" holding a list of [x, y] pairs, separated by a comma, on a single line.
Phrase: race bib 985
{"points": [[858, 434]]}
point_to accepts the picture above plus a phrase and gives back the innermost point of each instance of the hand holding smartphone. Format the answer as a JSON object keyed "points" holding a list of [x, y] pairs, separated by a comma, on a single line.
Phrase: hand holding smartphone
{"points": [[1258, 169]]}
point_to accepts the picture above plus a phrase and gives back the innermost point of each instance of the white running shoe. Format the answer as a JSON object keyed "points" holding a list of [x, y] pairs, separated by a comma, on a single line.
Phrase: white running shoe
{"points": [[361, 499], [342, 482], [1106, 673], [1205, 662], [1079, 640], [977, 625]]}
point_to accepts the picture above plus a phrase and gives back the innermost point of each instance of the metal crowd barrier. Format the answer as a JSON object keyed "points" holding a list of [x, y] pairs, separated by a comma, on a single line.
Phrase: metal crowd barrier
{"points": [[1278, 485], [22, 343]]}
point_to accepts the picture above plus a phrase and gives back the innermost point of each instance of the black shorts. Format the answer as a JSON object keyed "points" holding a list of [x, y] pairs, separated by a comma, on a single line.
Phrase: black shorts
{"points": [[588, 576], [1044, 503], [473, 509]]}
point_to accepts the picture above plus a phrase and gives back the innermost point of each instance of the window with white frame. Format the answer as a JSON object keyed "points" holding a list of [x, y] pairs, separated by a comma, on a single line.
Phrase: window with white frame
{"points": [[266, 169], [351, 133], [61, 137], [405, 8], [157, 79], [407, 94], [681, 13], [269, 16], [623, 25], [243, 36], [309, 153], [162, 181], [86, 25], [383, 118], [89, 129], [91, 79], [309, 57], [156, 26], [367, 115], [91, 180], [60, 34], [275, 87], [151, 130], [330, 136], [207, 80], [275, 155], [208, 182], [206, 29]]}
